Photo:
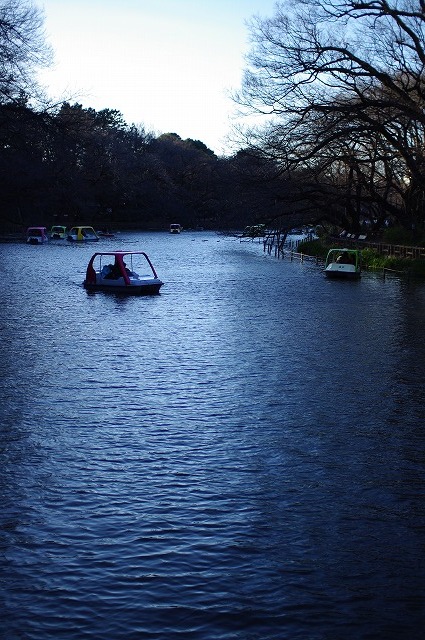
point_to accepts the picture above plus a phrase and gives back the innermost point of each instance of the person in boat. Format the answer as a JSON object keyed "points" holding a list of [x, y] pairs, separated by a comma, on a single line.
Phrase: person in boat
{"points": [[344, 258], [113, 271], [106, 270]]}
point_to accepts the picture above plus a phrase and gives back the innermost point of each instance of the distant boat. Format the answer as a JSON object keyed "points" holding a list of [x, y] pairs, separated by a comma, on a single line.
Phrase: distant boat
{"points": [[82, 234], [58, 232], [108, 271], [345, 264], [254, 231], [105, 233], [37, 235], [176, 228]]}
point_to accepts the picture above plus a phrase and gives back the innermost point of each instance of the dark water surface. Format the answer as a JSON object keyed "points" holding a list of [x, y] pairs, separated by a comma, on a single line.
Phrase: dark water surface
{"points": [[240, 457]]}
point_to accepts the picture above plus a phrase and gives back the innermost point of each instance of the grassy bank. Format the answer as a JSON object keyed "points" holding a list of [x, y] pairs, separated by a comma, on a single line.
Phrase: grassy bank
{"points": [[371, 259]]}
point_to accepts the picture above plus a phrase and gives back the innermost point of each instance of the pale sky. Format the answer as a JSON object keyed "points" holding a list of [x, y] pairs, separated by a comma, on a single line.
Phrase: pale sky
{"points": [[166, 64]]}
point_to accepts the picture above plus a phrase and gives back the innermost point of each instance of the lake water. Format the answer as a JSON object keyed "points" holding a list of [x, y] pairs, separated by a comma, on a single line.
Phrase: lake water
{"points": [[240, 457]]}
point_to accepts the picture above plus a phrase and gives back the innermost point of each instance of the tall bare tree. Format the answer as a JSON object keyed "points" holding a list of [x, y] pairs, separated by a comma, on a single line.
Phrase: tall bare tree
{"points": [[326, 71], [23, 49]]}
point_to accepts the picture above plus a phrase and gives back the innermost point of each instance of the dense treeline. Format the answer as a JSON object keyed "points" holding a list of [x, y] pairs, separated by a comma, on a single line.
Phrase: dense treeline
{"points": [[341, 85], [65, 164], [79, 165]]}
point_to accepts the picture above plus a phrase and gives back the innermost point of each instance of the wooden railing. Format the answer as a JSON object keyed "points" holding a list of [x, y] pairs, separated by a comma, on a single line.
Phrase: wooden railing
{"points": [[395, 250]]}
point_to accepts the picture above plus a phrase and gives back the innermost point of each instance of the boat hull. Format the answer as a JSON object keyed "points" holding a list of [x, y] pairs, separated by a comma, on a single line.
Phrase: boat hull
{"points": [[145, 290], [74, 239], [339, 274], [35, 241], [148, 288]]}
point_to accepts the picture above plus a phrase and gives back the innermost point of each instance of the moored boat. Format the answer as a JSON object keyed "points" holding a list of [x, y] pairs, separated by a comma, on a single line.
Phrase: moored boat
{"points": [[105, 233], [122, 272], [254, 231], [82, 234], [37, 235], [58, 232], [344, 264]]}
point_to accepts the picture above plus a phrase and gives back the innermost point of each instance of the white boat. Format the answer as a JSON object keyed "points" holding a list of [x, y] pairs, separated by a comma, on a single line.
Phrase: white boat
{"points": [[58, 232], [82, 234], [37, 235], [105, 233], [344, 264], [108, 271]]}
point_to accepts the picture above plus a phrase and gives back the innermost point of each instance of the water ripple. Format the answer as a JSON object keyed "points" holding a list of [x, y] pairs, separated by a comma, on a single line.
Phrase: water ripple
{"points": [[238, 458]]}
